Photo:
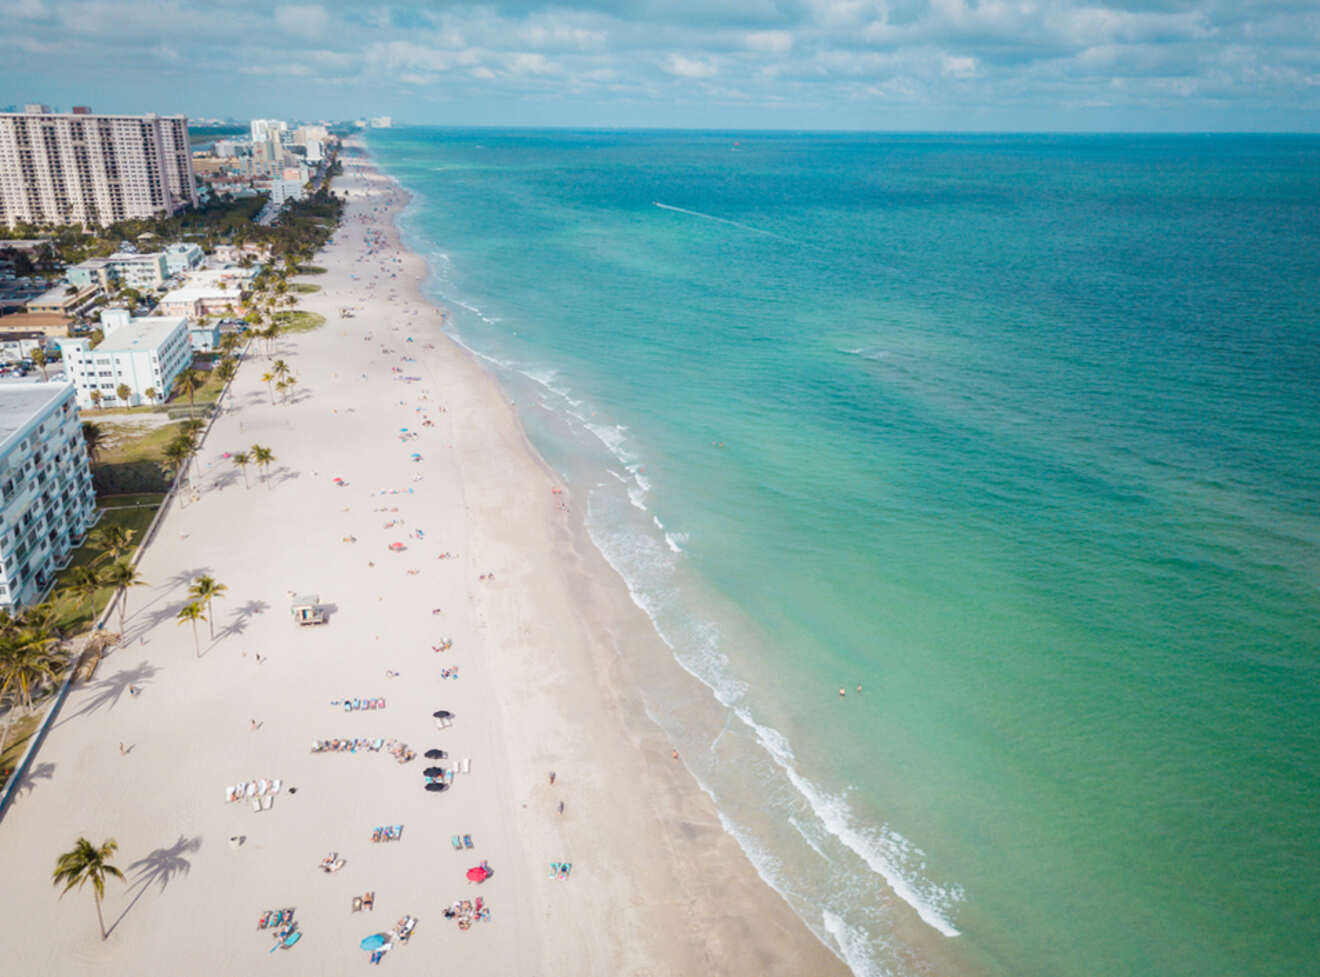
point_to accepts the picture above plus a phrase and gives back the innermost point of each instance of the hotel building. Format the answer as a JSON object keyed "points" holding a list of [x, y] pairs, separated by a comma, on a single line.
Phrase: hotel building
{"points": [[141, 353], [46, 498], [60, 168]]}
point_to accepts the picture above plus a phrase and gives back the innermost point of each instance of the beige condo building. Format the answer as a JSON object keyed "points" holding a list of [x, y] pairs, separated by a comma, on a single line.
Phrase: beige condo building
{"points": [[58, 168]]}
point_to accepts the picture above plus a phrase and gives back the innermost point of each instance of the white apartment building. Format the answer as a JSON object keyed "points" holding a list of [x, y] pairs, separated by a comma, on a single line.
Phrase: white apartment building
{"points": [[183, 257], [92, 169], [125, 269], [47, 502], [142, 353]]}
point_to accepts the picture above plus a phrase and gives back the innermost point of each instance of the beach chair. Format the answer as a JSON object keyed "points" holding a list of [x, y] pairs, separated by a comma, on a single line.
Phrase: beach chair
{"points": [[267, 802], [262, 784], [275, 785], [375, 835], [250, 788], [256, 804], [554, 870], [457, 842], [357, 904], [565, 869], [467, 841]]}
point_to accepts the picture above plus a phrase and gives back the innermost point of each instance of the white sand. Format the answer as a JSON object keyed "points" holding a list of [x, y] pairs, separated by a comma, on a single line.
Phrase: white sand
{"points": [[657, 887]]}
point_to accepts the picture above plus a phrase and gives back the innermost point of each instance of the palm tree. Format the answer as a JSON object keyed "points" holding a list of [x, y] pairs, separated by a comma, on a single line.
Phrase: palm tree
{"points": [[289, 381], [188, 382], [151, 394], [95, 395], [113, 540], [88, 863], [39, 358], [94, 438], [123, 392], [177, 453], [193, 612], [262, 457], [283, 387], [121, 575], [280, 369], [226, 369], [241, 459], [205, 588], [26, 665], [229, 342], [84, 581]]}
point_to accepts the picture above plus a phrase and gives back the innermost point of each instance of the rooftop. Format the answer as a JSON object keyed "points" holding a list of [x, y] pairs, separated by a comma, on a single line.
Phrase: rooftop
{"points": [[141, 335], [19, 401], [57, 295]]}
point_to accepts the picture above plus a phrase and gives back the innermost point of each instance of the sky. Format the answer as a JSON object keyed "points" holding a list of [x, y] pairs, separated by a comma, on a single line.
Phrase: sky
{"points": [[1007, 65]]}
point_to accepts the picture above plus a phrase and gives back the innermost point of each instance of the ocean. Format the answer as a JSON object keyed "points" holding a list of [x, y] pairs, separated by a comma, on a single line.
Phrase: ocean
{"points": [[1018, 433]]}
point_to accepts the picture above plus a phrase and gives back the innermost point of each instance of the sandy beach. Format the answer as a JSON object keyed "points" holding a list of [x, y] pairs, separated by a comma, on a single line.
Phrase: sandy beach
{"points": [[492, 557]]}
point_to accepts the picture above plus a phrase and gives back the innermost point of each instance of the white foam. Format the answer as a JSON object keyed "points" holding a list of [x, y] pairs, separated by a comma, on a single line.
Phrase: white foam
{"points": [[613, 439], [637, 497], [853, 945], [672, 543], [885, 851]]}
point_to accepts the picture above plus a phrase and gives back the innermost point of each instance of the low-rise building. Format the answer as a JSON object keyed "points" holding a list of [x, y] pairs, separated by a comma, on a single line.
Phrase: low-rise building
{"points": [[183, 257], [144, 354], [204, 337], [64, 300], [47, 502], [125, 269], [19, 345]]}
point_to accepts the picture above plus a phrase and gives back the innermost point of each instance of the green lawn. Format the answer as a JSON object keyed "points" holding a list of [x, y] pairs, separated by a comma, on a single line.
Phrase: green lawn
{"points": [[306, 288], [299, 321], [22, 729], [73, 614], [135, 464], [311, 270]]}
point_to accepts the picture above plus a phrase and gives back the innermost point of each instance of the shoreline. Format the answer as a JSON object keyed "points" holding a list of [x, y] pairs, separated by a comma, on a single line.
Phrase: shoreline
{"points": [[538, 621], [605, 597]]}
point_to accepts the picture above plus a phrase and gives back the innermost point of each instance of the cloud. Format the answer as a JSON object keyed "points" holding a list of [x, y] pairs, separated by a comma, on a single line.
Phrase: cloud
{"points": [[303, 20], [683, 67], [777, 42], [799, 57]]}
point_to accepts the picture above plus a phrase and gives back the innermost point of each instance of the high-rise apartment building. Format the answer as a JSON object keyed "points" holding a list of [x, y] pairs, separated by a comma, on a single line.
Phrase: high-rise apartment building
{"points": [[46, 498], [92, 169]]}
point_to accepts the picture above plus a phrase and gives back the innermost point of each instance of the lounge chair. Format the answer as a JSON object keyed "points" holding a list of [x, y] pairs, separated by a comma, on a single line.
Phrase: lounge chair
{"points": [[369, 900], [275, 785], [256, 804], [457, 842], [467, 841], [467, 764], [357, 904], [267, 802]]}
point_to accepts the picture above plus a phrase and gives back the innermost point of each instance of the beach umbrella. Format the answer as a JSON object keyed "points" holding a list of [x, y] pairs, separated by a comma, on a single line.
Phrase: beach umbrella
{"points": [[442, 714], [437, 787], [374, 942], [433, 772], [435, 754], [397, 547], [477, 874]]}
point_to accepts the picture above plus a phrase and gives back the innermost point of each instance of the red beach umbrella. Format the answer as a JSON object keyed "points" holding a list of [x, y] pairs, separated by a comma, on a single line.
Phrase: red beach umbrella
{"points": [[477, 874], [397, 547]]}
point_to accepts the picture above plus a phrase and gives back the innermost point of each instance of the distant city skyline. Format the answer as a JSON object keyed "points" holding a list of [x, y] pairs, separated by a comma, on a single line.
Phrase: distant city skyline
{"points": [[1109, 65]]}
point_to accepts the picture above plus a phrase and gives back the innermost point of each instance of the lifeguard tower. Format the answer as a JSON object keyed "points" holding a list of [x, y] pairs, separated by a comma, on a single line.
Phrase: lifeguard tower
{"points": [[306, 609]]}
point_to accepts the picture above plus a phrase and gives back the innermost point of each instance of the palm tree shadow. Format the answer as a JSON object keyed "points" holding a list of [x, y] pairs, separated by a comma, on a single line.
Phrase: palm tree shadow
{"points": [[240, 616], [181, 579], [42, 771], [108, 691], [159, 867]]}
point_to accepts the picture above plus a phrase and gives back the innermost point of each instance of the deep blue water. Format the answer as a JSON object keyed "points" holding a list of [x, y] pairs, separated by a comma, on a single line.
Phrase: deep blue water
{"points": [[1019, 433]]}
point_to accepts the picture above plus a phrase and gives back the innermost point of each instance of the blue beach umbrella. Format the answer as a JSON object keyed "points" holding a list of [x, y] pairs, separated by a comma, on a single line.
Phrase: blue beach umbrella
{"points": [[373, 942]]}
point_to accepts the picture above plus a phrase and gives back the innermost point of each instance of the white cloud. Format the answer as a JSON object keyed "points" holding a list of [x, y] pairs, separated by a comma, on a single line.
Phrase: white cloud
{"points": [[529, 63], [775, 42], [683, 67], [303, 20], [956, 67]]}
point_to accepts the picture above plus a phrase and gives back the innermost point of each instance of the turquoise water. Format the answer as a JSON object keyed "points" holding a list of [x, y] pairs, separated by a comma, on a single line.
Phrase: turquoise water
{"points": [[1019, 433]]}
